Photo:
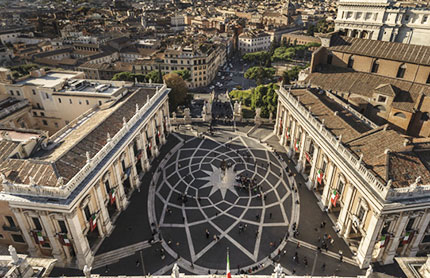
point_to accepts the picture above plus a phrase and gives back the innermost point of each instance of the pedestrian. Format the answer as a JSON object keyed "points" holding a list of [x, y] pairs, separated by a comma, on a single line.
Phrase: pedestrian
{"points": [[305, 261], [257, 217], [284, 253], [245, 226], [270, 215], [106, 269], [240, 228], [298, 244], [137, 263], [294, 271], [323, 266], [215, 238], [256, 233], [207, 234]]}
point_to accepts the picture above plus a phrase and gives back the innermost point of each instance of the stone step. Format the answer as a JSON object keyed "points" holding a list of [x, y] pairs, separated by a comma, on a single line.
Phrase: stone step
{"points": [[117, 254]]}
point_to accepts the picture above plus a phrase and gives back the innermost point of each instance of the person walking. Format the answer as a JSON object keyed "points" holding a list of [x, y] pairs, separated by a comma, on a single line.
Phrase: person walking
{"points": [[207, 233], [305, 261]]}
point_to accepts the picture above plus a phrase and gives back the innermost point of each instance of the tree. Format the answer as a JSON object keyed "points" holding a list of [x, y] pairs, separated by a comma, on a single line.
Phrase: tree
{"points": [[179, 90], [154, 76], [123, 76], [185, 74], [286, 78], [311, 30], [259, 57], [260, 74]]}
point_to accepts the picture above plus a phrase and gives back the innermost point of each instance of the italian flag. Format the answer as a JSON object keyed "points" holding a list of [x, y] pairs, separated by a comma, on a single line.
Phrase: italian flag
{"points": [[64, 240], [149, 145], [334, 197], [288, 133], [93, 222], [112, 196], [384, 241], [158, 133], [407, 237], [296, 145], [228, 266], [38, 237], [320, 176]]}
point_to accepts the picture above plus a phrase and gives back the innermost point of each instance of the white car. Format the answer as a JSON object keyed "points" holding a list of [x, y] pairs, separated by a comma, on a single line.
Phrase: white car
{"points": [[212, 87], [222, 77], [231, 74]]}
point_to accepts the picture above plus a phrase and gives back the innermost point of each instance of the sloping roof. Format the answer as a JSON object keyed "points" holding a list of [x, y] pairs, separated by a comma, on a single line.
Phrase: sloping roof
{"points": [[20, 170], [363, 84], [6, 148], [386, 89], [410, 53]]}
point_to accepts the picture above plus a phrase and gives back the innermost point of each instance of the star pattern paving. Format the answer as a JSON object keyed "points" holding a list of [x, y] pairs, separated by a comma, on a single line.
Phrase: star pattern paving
{"points": [[202, 227]]}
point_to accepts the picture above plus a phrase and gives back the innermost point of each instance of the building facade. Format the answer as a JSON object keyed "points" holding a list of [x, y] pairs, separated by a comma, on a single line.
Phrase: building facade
{"points": [[373, 181], [383, 20], [66, 192], [254, 41]]}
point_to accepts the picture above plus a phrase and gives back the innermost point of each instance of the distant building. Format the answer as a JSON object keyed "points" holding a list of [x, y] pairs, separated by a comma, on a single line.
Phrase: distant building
{"points": [[253, 41], [383, 20]]}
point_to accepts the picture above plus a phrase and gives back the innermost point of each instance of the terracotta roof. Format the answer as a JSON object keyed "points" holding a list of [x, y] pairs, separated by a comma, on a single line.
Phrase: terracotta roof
{"points": [[364, 85], [405, 167], [20, 171], [322, 107], [410, 53], [6, 148], [75, 158]]}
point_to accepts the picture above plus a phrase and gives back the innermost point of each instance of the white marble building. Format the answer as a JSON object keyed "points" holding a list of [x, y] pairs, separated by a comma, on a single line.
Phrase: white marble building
{"points": [[383, 20]]}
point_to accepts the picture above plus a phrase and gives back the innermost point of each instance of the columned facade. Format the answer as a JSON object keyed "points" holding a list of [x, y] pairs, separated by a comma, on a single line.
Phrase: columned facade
{"points": [[72, 228], [354, 197]]}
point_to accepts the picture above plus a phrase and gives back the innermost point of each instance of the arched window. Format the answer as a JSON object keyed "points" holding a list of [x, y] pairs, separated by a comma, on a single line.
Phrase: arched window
{"points": [[375, 66], [351, 62], [401, 71], [380, 108], [400, 115]]}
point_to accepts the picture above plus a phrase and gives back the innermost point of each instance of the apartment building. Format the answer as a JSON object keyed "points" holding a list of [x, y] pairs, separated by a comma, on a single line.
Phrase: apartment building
{"points": [[373, 181], [59, 97], [387, 82], [61, 195], [253, 41]]}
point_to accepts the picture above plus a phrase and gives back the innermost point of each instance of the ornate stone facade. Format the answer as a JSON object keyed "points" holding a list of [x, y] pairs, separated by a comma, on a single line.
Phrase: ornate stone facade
{"points": [[383, 20]]}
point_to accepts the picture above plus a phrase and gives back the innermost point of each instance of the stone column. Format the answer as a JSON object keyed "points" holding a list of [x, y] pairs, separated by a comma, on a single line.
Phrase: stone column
{"points": [[390, 250], [83, 252], [121, 193], [278, 118], [154, 149], [325, 198], [311, 181], [134, 176], [341, 221], [418, 237], [57, 249], [302, 142], [145, 154], [25, 231], [107, 224], [367, 244], [161, 120]]}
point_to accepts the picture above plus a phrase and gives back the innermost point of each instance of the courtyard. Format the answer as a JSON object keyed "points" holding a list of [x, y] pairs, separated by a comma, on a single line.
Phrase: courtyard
{"points": [[206, 194]]}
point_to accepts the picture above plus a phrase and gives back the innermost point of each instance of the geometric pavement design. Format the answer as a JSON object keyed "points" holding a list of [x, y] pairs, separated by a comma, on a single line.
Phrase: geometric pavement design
{"points": [[183, 225]]}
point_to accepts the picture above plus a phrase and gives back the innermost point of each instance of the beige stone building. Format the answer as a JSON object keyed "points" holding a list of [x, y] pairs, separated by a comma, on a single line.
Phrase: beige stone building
{"points": [[56, 98], [65, 190], [373, 181], [387, 82]]}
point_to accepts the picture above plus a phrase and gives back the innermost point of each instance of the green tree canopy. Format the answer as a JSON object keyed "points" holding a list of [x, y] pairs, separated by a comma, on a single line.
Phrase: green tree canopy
{"points": [[259, 57], [260, 74], [129, 76], [154, 76], [185, 74], [178, 94]]}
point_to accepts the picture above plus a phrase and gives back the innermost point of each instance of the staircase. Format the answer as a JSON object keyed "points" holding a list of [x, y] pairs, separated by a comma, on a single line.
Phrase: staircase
{"points": [[114, 256]]}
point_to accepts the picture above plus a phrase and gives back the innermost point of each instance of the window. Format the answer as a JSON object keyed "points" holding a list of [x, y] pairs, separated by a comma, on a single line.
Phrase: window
{"points": [[100, 102], [401, 71], [10, 221], [46, 95], [385, 228], [46, 245], [361, 213], [87, 212], [18, 93], [375, 66], [70, 101], [123, 165], [63, 227], [340, 186], [37, 224], [107, 186], [35, 114], [400, 115], [11, 93], [382, 98], [42, 114], [59, 100], [18, 238], [351, 62], [38, 106], [88, 103], [44, 122], [56, 124], [406, 17], [34, 91], [428, 79], [329, 59], [410, 224]]}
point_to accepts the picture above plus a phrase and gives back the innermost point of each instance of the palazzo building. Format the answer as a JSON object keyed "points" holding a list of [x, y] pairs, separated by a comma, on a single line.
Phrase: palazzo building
{"points": [[61, 193], [373, 181], [383, 20]]}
